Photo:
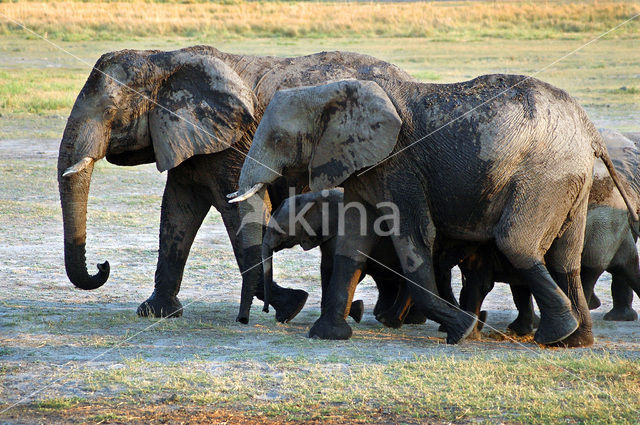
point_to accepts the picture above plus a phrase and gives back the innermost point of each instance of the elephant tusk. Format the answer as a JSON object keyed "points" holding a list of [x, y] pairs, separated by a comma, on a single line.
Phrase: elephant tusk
{"points": [[78, 166], [233, 195], [248, 194]]}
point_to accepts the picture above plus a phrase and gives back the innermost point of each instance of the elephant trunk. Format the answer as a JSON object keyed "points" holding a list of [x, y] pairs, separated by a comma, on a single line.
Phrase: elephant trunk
{"points": [[75, 168], [254, 210], [267, 265]]}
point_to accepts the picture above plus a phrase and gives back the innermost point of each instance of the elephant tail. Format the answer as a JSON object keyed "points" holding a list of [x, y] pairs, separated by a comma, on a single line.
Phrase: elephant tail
{"points": [[603, 154], [635, 227]]}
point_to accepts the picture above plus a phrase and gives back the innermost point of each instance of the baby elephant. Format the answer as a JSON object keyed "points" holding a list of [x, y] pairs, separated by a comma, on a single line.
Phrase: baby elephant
{"points": [[313, 219]]}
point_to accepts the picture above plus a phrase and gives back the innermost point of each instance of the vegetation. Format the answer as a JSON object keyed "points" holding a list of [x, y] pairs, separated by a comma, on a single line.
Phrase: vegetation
{"points": [[433, 20], [513, 389]]}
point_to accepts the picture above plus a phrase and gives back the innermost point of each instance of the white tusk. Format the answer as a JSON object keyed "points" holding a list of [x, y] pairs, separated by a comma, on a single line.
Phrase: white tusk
{"points": [[248, 194], [233, 195], [78, 166]]}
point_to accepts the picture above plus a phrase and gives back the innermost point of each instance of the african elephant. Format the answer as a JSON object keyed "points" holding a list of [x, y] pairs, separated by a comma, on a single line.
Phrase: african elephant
{"points": [[193, 112], [500, 158], [313, 219], [609, 244]]}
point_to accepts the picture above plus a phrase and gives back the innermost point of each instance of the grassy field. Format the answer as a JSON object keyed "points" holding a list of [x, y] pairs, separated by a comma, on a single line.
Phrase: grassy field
{"points": [[96, 362], [436, 20]]}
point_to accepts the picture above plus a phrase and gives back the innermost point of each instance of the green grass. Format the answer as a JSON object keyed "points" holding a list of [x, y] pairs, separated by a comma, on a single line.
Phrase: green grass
{"points": [[38, 91], [624, 90], [35, 103], [554, 388], [61, 403]]}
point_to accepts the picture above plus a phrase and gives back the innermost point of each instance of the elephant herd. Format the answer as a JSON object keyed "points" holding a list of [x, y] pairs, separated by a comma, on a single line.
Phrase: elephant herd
{"points": [[504, 176]]}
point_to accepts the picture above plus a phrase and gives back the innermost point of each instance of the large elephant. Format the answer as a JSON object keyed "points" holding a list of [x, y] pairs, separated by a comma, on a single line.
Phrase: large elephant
{"points": [[193, 112], [609, 245], [498, 158]]}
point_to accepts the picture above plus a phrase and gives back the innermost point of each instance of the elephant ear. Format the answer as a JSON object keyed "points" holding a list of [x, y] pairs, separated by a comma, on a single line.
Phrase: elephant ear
{"points": [[204, 107], [361, 127]]}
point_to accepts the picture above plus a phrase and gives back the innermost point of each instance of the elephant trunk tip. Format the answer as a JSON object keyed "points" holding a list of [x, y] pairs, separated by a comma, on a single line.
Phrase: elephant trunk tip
{"points": [[88, 282], [77, 271]]}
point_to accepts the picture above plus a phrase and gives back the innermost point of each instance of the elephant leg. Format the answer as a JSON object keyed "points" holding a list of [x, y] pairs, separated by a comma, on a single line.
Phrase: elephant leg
{"points": [[622, 296], [415, 317], [287, 302], [328, 250], [442, 269], [564, 259], [394, 316], [589, 276], [349, 264], [477, 283], [522, 236], [417, 266], [183, 211], [388, 289], [414, 244], [625, 271], [526, 321]]}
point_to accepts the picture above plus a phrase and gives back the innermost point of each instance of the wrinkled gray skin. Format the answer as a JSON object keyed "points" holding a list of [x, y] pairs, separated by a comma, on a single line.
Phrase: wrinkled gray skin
{"points": [[609, 245], [224, 95], [321, 211], [516, 170]]}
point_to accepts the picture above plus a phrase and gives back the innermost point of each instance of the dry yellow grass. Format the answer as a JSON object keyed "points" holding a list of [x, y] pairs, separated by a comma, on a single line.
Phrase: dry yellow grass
{"points": [[439, 20]]}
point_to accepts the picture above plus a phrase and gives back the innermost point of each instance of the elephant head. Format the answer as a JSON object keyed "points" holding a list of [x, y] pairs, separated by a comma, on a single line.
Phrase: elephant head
{"points": [[140, 107], [333, 130]]}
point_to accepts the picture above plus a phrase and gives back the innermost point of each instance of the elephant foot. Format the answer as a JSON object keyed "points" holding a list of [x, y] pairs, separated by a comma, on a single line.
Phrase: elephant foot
{"points": [[288, 303], [381, 306], [476, 333], [415, 317], [536, 321], [389, 320], [555, 328], [482, 318], [523, 325], [157, 306], [582, 337], [328, 329], [626, 314], [357, 310], [594, 302], [461, 329]]}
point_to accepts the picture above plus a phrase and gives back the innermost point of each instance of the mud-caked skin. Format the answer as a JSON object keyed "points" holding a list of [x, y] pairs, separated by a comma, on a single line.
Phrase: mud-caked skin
{"points": [[500, 158], [609, 245], [313, 220], [193, 112]]}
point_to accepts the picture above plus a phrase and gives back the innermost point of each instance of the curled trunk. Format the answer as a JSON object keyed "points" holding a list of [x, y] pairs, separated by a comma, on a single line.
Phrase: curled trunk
{"points": [[74, 193]]}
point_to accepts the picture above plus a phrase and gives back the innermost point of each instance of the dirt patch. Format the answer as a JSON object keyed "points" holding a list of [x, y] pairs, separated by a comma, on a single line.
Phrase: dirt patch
{"points": [[99, 412]]}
